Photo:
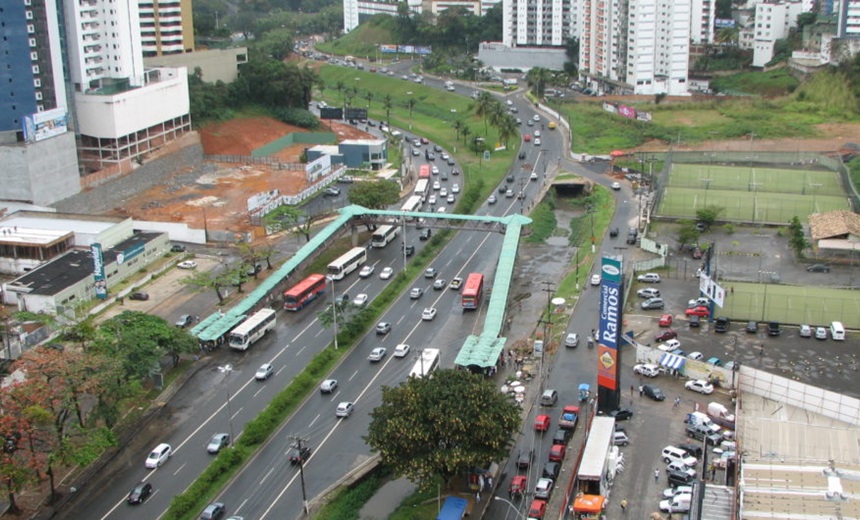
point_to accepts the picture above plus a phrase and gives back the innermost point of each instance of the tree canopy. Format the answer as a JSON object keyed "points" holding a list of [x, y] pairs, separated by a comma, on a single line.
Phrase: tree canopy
{"points": [[442, 426], [374, 195]]}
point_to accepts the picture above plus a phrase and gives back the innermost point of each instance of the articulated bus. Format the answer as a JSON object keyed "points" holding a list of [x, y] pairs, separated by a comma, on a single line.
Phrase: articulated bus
{"points": [[412, 205], [347, 263], [473, 290], [422, 188], [426, 364], [424, 171], [304, 292], [383, 236], [252, 329]]}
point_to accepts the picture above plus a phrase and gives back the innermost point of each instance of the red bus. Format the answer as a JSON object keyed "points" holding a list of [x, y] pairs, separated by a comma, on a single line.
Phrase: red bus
{"points": [[304, 292], [424, 171], [473, 290]]}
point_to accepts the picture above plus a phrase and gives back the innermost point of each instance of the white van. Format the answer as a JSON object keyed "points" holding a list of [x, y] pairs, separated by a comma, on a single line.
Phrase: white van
{"points": [[837, 331], [678, 504]]}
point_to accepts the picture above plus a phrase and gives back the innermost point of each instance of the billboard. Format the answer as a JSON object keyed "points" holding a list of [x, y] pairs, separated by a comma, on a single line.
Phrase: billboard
{"points": [[610, 323], [331, 113], [628, 112], [131, 252], [44, 125], [355, 113], [713, 291], [100, 282]]}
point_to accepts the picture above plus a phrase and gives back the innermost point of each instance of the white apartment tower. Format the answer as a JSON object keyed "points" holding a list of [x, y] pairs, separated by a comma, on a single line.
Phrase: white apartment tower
{"points": [[702, 14], [638, 46], [772, 22], [538, 23], [848, 14]]}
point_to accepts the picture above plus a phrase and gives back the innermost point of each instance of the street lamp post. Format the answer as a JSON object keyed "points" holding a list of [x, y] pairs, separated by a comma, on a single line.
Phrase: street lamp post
{"points": [[226, 369], [333, 309], [707, 183], [814, 187], [511, 505]]}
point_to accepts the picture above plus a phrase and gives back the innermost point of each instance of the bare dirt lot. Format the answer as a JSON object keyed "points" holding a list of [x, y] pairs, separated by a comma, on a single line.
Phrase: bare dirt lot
{"points": [[218, 192]]}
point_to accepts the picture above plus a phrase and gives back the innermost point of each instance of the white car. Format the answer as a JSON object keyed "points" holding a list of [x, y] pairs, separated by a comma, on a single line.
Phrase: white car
{"points": [[366, 271], [434, 170], [377, 354], [820, 333], [492, 200], [543, 488], [344, 409], [264, 372], [451, 199], [328, 386], [646, 369], [360, 300], [431, 199], [445, 156], [416, 293], [649, 278], [669, 345], [159, 456], [672, 492], [595, 279], [187, 264], [572, 340], [443, 192], [805, 331], [648, 292], [437, 185], [697, 356], [616, 186], [533, 176], [386, 273], [537, 141], [536, 118], [401, 350], [537, 133], [441, 209], [509, 102], [428, 314], [700, 385], [455, 188]]}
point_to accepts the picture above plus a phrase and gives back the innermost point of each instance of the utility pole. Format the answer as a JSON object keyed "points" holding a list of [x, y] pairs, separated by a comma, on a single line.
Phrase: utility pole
{"points": [[549, 289], [298, 442]]}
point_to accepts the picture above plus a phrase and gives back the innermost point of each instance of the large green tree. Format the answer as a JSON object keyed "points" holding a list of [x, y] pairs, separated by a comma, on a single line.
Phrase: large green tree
{"points": [[442, 426], [375, 194]]}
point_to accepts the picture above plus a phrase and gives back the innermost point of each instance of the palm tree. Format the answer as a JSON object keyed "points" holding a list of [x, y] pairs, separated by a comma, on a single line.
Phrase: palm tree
{"points": [[368, 95], [386, 104], [508, 129], [497, 113], [482, 109], [466, 131], [410, 104], [537, 79], [458, 126], [340, 87]]}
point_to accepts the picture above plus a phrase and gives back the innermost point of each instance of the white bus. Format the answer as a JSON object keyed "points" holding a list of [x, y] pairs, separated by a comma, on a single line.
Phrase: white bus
{"points": [[252, 329], [412, 205], [347, 263], [383, 236], [422, 188], [426, 364]]}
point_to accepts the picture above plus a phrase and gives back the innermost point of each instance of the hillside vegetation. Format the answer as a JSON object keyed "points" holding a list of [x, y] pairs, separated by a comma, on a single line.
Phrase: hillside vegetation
{"points": [[363, 40]]}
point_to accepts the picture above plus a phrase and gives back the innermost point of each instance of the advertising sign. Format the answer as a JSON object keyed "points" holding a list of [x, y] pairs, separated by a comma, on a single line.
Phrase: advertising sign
{"points": [[713, 291], [43, 125], [628, 112], [355, 113], [131, 252], [331, 113], [610, 323], [99, 271], [388, 49]]}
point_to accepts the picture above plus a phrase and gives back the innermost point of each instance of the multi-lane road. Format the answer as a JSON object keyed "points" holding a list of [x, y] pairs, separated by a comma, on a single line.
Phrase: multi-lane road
{"points": [[227, 396]]}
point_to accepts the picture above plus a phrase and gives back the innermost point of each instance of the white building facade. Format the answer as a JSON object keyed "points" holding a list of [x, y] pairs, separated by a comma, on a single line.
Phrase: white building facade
{"points": [[773, 20], [539, 23], [702, 14]]}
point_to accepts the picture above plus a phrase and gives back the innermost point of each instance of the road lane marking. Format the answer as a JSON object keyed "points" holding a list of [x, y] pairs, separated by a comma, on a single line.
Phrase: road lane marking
{"points": [[179, 469], [270, 471]]}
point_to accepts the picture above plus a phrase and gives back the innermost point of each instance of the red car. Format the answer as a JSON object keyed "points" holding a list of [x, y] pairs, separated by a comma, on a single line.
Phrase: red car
{"points": [[665, 320], [542, 423], [699, 311], [527, 137], [666, 335], [518, 486], [537, 509], [556, 453]]}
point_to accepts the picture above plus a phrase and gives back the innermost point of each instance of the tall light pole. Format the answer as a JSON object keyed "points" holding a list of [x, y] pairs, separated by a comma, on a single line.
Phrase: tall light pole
{"points": [[814, 187], [227, 369], [333, 309], [707, 183], [511, 505]]}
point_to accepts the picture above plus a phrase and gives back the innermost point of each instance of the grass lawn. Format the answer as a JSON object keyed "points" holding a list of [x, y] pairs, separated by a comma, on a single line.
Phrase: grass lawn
{"points": [[793, 305]]}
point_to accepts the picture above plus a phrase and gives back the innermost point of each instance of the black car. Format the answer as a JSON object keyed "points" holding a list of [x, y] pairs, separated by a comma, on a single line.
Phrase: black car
{"points": [[177, 248], [679, 478], [139, 493], [695, 321], [550, 470], [437, 148], [622, 414], [425, 234], [409, 250], [752, 327], [693, 448], [722, 324], [561, 436], [632, 233], [455, 171], [818, 268], [524, 459], [510, 177], [299, 455], [613, 232], [653, 392], [139, 295], [503, 188], [773, 328], [522, 155]]}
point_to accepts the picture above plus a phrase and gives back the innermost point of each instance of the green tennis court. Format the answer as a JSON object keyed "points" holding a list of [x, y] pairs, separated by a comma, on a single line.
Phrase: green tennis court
{"points": [[794, 305], [751, 194]]}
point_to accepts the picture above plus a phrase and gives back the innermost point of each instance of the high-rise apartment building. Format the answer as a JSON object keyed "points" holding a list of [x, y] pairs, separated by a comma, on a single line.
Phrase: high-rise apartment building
{"points": [[166, 27], [702, 14], [635, 46], [356, 12], [848, 15], [773, 20], [538, 23]]}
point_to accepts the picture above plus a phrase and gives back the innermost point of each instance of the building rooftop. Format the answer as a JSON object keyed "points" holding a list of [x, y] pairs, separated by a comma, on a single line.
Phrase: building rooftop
{"points": [[834, 224], [58, 222]]}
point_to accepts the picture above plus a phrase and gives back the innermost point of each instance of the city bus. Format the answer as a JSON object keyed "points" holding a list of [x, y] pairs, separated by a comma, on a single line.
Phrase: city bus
{"points": [[473, 290], [383, 236], [252, 329], [422, 188], [424, 171], [347, 263], [304, 292], [412, 205], [427, 363]]}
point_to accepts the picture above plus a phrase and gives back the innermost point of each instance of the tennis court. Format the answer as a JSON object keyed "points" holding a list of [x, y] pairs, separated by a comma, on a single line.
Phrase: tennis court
{"points": [[751, 194], [793, 305]]}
